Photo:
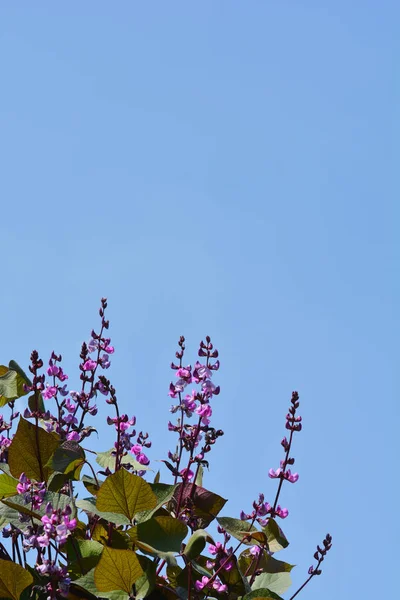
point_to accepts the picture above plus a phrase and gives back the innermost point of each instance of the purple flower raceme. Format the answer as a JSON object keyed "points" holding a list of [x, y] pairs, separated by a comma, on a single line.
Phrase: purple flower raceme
{"points": [[32, 491], [57, 525], [197, 434]]}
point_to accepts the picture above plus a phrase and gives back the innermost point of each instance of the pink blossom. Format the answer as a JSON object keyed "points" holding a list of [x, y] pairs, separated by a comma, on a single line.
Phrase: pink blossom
{"points": [[281, 512], [92, 345], [70, 419], [199, 585], [205, 411], [274, 474], [73, 436], [136, 449], [142, 459], [187, 474], [53, 370], [214, 549], [184, 373], [89, 365], [70, 406], [201, 372], [291, 477], [255, 550], [49, 392], [105, 361], [220, 587]]}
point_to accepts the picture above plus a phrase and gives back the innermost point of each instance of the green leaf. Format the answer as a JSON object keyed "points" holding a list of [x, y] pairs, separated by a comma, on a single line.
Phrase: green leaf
{"points": [[83, 555], [275, 582], [206, 504], [91, 484], [30, 448], [261, 594], [125, 493], [173, 574], [58, 501], [107, 461], [89, 506], [199, 476], [86, 582], [117, 570], [157, 477], [119, 539], [35, 403], [8, 486], [275, 536], [146, 583], [197, 543], [13, 579], [200, 566], [68, 458], [164, 534], [163, 494], [148, 549], [12, 380], [239, 529], [267, 563]]}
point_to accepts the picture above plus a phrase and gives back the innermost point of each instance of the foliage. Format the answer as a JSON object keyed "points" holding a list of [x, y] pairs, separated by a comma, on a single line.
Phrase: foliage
{"points": [[131, 537]]}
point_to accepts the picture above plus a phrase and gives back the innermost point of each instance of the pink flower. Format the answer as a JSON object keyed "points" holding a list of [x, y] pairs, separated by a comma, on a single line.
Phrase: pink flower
{"points": [[24, 484], [220, 587], [105, 361], [43, 541], [53, 370], [142, 459], [89, 365], [214, 549], [184, 373], [136, 449], [187, 474], [281, 512], [205, 411], [291, 477], [201, 372], [199, 585], [92, 345], [70, 419], [274, 474], [255, 550], [49, 392], [70, 406], [73, 436]]}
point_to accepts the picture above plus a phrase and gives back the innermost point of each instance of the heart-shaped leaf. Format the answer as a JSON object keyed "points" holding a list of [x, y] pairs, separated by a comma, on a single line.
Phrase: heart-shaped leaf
{"points": [[126, 494], [117, 570], [13, 579], [31, 449]]}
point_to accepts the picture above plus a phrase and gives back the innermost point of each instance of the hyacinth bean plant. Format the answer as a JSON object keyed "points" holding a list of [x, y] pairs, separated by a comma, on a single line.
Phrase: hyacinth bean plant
{"points": [[83, 524]]}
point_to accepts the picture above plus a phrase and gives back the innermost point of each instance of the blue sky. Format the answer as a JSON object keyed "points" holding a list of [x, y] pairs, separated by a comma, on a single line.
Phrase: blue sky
{"points": [[221, 168]]}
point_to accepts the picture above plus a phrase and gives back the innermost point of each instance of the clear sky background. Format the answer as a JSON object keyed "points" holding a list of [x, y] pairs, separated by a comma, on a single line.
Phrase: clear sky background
{"points": [[221, 168]]}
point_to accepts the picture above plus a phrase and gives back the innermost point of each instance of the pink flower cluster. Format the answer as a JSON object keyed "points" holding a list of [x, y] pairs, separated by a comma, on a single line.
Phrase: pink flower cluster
{"points": [[262, 509], [33, 491], [216, 585], [196, 403], [57, 525], [59, 579], [282, 474]]}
